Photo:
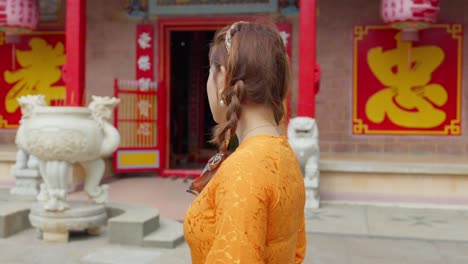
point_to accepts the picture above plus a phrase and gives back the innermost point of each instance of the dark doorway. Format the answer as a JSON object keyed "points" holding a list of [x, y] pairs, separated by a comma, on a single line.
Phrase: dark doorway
{"points": [[190, 118]]}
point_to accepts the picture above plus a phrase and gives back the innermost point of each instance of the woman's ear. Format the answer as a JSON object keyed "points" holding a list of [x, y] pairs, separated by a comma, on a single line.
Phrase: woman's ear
{"points": [[223, 70]]}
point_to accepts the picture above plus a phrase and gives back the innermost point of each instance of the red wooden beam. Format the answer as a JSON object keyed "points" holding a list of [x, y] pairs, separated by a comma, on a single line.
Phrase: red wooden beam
{"points": [[307, 58], [75, 34]]}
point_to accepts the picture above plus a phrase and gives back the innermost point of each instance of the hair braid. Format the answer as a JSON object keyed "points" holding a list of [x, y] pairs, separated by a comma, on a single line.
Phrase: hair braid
{"points": [[233, 94], [256, 71], [225, 131]]}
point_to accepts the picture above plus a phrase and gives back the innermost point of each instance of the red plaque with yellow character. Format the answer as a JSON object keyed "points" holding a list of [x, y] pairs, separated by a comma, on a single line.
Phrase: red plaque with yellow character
{"points": [[32, 66], [407, 88]]}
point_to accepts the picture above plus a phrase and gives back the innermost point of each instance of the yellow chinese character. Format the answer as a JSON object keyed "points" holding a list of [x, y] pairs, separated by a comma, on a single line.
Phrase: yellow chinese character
{"points": [[408, 99], [40, 70], [2, 38]]}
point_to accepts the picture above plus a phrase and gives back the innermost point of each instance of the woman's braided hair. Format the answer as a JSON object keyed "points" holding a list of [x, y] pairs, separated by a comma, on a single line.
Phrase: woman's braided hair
{"points": [[257, 72]]}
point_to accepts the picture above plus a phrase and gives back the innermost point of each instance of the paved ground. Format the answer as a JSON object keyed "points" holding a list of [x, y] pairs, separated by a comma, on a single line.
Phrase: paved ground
{"points": [[321, 249], [169, 196], [337, 234], [389, 222]]}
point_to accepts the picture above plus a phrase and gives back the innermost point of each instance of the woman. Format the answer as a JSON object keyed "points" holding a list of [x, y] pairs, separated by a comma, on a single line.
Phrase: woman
{"points": [[250, 206]]}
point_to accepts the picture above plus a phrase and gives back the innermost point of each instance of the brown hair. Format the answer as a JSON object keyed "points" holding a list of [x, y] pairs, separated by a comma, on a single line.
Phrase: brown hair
{"points": [[257, 72]]}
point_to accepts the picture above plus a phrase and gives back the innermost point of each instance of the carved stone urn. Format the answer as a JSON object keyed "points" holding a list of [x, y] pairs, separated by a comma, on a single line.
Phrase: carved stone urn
{"points": [[26, 168], [62, 135]]}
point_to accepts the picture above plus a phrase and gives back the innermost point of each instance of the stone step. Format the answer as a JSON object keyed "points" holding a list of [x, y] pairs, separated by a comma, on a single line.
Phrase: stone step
{"points": [[132, 224], [169, 235], [127, 224], [13, 218]]}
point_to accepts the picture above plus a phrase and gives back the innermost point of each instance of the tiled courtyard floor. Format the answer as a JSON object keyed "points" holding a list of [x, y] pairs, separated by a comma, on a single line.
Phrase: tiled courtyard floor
{"points": [[23, 248], [337, 234]]}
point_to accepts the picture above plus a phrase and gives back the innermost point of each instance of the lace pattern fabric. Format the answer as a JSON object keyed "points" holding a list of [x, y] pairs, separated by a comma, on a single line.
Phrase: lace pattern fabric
{"points": [[252, 210]]}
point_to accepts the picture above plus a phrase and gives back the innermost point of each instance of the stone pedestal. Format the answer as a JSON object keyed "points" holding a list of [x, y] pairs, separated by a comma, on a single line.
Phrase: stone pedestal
{"points": [[27, 182], [56, 226], [312, 182], [312, 193]]}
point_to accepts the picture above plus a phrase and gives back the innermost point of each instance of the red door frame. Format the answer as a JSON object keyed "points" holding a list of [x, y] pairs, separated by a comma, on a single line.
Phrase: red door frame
{"points": [[165, 27]]}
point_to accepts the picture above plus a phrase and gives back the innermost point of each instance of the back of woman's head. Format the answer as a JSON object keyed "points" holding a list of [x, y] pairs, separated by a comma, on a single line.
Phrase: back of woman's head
{"points": [[257, 72]]}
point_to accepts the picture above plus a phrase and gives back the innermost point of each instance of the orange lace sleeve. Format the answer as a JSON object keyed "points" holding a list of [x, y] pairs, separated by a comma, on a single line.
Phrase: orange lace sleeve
{"points": [[241, 206]]}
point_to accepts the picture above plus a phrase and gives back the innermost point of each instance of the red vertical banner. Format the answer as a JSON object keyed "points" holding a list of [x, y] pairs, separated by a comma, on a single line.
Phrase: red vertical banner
{"points": [[145, 76], [145, 53]]}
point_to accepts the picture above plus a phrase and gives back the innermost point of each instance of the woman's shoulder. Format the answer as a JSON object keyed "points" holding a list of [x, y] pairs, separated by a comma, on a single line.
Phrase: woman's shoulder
{"points": [[252, 152], [258, 158], [240, 174]]}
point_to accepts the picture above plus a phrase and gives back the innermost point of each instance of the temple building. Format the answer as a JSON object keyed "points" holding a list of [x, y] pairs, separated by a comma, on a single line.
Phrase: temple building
{"points": [[386, 93]]}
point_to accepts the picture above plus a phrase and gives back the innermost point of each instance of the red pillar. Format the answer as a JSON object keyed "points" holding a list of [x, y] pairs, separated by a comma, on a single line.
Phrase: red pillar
{"points": [[75, 34], [307, 57]]}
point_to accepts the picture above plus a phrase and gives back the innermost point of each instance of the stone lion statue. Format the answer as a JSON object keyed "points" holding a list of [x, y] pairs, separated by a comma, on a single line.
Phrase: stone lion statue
{"points": [[303, 138]]}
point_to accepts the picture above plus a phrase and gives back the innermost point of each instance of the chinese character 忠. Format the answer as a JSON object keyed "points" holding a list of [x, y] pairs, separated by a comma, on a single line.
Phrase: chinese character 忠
{"points": [[408, 99]]}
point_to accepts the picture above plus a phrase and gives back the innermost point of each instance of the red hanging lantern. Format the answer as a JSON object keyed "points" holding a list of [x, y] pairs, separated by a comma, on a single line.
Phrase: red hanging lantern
{"points": [[410, 16], [18, 16]]}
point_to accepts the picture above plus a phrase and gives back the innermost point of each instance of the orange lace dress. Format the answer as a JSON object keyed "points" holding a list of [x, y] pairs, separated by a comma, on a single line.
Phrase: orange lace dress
{"points": [[252, 210]]}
